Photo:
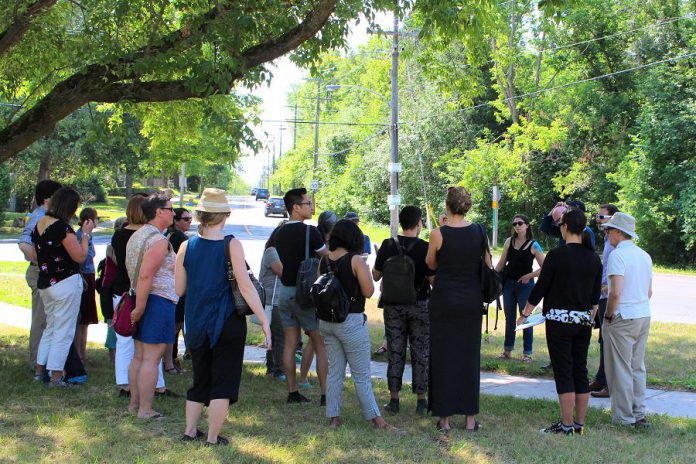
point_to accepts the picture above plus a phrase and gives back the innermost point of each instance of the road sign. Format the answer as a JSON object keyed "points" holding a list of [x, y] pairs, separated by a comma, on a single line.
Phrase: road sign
{"points": [[314, 185]]}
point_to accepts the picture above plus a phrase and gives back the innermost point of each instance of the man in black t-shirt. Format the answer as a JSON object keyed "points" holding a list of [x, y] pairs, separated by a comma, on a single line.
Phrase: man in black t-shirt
{"points": [[407, 323], [290, 245]]}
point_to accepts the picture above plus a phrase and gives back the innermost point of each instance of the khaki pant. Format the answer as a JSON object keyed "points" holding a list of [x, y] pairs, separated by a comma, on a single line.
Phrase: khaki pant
{"points": [[625, 341], [38, 315]]}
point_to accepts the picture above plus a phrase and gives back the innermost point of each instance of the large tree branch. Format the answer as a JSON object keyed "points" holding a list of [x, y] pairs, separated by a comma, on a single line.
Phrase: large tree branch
{"points": [[20, 24], [98, 82]]}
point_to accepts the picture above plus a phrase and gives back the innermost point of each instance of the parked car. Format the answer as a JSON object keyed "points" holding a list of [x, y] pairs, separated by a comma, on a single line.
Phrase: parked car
{"points": [[253, 191], [262, 194], [276, 205]]}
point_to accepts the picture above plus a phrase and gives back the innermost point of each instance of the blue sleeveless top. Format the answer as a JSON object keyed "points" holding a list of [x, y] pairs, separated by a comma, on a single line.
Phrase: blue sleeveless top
{"points": [[208, 297]]}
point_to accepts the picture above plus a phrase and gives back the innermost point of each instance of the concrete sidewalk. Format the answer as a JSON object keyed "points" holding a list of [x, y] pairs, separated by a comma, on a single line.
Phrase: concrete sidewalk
{"points": [[671, 403]]}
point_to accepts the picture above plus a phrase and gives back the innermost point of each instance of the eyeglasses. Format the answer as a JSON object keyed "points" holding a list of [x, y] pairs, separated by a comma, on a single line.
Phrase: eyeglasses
{"points": [[602, 216], [187, 219], [308, 203], [519, 223]]}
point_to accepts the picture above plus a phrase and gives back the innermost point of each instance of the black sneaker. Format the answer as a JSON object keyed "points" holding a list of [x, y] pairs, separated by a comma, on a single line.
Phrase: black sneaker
{"points": [[642, 424], [296, 397], [322, 401], [421, 407], [221, 441], [392, 406], [579, 429], [559, 428]]}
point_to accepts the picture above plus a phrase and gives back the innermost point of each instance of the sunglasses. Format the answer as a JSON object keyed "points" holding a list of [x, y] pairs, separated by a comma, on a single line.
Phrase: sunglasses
{"points": [[602, 216], [519, 223], [187, 219]]}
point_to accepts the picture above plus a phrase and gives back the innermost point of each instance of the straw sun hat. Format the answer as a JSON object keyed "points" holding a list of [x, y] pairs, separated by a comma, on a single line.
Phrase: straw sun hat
{"points": [[213, 200]]}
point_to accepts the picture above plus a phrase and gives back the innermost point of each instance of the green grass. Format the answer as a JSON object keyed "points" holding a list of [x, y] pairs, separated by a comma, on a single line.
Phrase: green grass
{"points": [[670, 348], [13, 285], [90, 424]]}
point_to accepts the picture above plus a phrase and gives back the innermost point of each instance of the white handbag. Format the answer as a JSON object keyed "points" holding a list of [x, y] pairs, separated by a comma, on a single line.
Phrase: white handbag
{"points": [[268, 308]]}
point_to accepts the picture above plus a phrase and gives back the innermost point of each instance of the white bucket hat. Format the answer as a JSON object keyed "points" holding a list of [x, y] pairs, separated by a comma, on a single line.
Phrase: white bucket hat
{"points": [[623, 222], [213, 200]]}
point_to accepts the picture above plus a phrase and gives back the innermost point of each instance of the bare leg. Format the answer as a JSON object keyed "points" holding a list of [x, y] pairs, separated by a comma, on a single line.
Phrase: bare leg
{"points": [[193, 414], [307, 358], [443, 423], [292, 336], [81, 341], [217, 413], [322, 358], [147, 376], [133, 370], [581, 401], [470, 422], [168, 359], [567, 401]]}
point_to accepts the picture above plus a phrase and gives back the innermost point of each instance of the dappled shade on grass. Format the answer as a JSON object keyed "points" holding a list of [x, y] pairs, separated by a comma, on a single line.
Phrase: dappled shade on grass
{"points": [[90, 424]]}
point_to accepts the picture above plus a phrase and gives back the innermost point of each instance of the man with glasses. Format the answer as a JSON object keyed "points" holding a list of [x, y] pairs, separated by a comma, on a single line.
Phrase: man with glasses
{"points": [[598, 387], [627, 321], [291, 247]]}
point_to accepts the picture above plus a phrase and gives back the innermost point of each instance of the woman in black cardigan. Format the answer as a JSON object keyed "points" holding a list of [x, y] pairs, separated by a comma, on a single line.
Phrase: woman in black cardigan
{"points": [[570, 284]]}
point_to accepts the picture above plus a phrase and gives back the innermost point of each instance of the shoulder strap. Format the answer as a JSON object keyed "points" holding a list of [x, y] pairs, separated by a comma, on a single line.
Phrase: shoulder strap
{"points": [[228, 258], [399, 248], [411, 246], [306, 252], [140, 260], [484, 241]]}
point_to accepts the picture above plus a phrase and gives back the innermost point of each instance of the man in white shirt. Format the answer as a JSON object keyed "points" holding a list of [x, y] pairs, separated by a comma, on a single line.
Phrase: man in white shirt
{"points": [[627, 321]]}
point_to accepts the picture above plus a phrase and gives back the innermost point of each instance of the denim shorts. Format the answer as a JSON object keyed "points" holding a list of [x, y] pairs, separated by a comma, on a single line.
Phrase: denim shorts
{"points": [[157, 323]]}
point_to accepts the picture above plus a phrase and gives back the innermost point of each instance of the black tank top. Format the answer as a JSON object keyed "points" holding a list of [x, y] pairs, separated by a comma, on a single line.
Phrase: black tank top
{"points": [[459, 257], [519, 262], [344, 270]]}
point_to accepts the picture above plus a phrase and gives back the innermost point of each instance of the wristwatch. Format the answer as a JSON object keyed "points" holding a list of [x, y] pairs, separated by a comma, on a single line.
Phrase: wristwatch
{"points": [[608, 318]]}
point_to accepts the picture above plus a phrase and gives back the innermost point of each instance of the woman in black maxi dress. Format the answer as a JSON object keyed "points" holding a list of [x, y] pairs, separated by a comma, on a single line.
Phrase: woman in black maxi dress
{"points": [[455, 309]]}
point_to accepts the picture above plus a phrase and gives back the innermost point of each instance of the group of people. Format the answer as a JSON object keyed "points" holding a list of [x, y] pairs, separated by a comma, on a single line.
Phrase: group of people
{"points": [[431, 295]]}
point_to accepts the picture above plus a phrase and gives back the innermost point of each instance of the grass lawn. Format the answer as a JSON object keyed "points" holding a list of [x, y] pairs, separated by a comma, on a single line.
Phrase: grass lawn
{"points": [[670, 346], [13, 285], [90, 424]]}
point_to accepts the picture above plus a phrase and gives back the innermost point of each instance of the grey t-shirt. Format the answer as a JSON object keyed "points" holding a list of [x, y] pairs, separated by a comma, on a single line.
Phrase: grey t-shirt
{"points": [[267, 277]]}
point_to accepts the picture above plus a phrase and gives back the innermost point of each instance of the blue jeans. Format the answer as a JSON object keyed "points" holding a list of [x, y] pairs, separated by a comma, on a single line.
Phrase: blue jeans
{"points": [[515, 297]]}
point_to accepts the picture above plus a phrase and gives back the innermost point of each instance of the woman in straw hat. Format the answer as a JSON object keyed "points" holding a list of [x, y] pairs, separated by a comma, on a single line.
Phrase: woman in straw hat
{"points": [[214, 333]]}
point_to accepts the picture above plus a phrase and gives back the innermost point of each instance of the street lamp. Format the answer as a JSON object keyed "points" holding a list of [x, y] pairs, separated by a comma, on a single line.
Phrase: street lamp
{"points": [[394, 199]]}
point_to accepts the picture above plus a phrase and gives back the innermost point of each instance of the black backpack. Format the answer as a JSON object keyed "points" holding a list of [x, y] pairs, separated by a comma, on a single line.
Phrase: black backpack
{"points": [[398, 274], [330, 299], [306, 275]]}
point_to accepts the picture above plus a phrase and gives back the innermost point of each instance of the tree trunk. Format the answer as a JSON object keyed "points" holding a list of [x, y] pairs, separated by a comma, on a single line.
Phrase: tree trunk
{"points": [[45, 167], [129, 183]]}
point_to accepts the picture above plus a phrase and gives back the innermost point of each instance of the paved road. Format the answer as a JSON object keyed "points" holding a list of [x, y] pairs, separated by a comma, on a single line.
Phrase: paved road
{"points": [[674, 298]]}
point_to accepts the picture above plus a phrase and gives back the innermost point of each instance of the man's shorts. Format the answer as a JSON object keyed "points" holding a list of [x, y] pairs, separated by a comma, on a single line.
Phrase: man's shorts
{"points": [[291, 314]]}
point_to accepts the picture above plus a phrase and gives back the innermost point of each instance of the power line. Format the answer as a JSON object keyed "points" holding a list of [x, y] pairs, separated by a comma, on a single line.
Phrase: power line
{"points": [[330, 123], [355, 145], [570, 84]]}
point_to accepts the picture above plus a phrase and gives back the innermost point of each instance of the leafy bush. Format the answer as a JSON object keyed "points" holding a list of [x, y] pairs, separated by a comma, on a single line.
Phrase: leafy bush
{"points": [[92, 187], [5, 190]]}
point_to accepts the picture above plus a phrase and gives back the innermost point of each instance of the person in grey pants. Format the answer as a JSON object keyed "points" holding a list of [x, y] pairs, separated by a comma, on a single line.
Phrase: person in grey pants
{"points": [[349, 341]]}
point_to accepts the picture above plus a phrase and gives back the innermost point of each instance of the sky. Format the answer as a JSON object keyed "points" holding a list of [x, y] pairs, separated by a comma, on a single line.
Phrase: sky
{"points": [[274, 97]]}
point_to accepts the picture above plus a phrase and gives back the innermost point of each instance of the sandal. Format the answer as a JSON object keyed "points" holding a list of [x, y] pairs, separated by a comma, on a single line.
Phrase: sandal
{"points": [[505, 355], [477, 426], [222, 441], [527, 359], [199, 435], [155, 416], [380, 350], [441, 429]]}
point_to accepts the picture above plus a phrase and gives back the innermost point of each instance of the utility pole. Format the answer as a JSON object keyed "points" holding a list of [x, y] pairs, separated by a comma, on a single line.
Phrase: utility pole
{"points": [[315, 182], [182, 185], [394, 199], [494, 204], [294, 132]]}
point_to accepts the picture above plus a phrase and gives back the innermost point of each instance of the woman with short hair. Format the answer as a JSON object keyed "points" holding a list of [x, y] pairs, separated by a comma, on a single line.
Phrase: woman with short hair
{"points": [[349, 341], [570, 284], [516, 264], [59, 255], [155, 301], [456, 250], [215, 333]]}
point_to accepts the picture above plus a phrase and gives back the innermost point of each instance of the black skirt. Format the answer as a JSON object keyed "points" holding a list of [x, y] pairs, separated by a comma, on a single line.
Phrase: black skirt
{"points": [[455, 347]]}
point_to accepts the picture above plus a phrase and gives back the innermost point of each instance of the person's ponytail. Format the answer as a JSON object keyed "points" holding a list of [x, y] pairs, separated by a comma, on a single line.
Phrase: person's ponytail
{"points": [[587, 240]]}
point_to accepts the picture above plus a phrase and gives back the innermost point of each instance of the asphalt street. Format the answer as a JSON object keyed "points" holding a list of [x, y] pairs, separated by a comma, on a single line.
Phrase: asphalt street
{"points": [[674, 296]]}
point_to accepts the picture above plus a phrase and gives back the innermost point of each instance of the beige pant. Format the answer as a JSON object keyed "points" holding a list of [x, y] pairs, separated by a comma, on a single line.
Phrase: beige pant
{"points": [[625, 341], [38, 315]]}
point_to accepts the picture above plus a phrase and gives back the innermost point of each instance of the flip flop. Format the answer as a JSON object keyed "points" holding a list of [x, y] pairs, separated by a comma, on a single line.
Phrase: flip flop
{"points": [[527, 359], [155, 416]]}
